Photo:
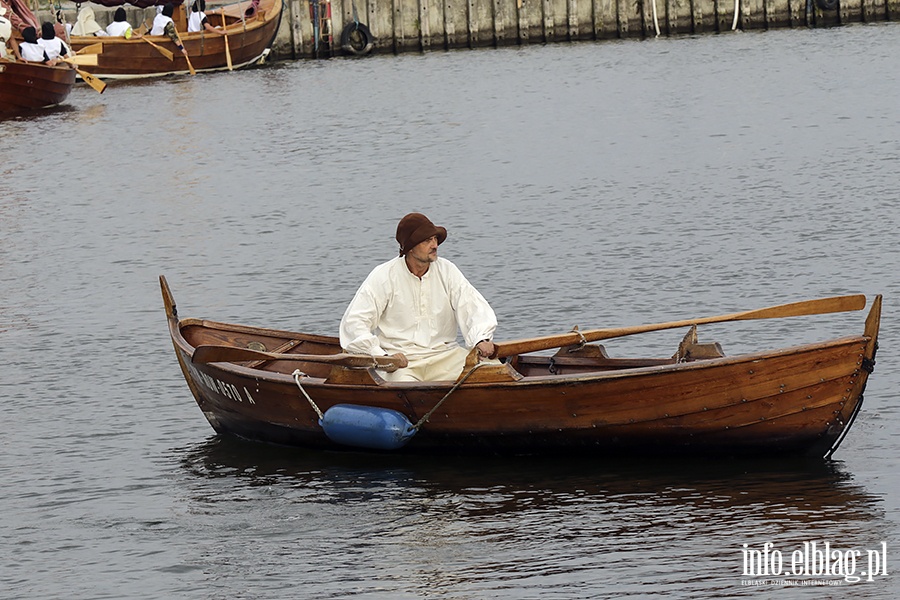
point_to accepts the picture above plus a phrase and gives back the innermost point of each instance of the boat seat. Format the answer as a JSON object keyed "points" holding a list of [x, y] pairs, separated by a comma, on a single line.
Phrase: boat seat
{"points": [[563, 365], [582, 358]]}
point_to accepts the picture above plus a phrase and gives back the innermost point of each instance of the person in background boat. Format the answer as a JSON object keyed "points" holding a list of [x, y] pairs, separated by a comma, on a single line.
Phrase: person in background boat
{"points": [[164, 25], [120, 27], [85, 24], [198, 21], [30, 50], [413, 306], [5, 32], [52, 45]]}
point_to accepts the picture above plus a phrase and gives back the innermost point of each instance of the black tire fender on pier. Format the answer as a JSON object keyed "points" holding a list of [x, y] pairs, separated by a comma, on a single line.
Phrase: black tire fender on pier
{"points": [[357, 39], [827, 4]]}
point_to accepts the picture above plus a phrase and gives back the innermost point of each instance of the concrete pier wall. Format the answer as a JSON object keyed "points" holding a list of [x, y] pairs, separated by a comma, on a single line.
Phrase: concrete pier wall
{"points": [[420, 25]]}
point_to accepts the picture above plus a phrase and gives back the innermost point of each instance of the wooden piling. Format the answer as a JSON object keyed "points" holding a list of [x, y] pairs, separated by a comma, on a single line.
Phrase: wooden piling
{"points": [[424, 25]]}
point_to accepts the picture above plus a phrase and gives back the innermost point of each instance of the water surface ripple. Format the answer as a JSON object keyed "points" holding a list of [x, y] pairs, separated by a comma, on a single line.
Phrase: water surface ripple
{"points": [[605, 184]]}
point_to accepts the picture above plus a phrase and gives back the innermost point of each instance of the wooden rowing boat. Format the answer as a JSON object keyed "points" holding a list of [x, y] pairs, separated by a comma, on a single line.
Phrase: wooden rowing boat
{"points": [[246, 43], [28, 86], [272, 386]]}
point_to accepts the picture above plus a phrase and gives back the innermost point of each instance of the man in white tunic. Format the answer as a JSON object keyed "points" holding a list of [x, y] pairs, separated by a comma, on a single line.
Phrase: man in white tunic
{"points": [[120, 27], [413, 306], [198, 20], [52, 45], [31, 50], [5, 31]]}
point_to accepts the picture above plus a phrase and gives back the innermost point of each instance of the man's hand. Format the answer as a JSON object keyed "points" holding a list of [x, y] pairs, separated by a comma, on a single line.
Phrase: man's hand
{"points": [[400, 360], [485, 348]]}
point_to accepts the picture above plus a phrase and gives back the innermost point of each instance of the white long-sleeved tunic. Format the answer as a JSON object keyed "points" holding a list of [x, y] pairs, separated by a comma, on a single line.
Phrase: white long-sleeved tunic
{"points": [[395, 311], [159, 24], [195, 21], [119, 29], [32, 52], [54, 48]]}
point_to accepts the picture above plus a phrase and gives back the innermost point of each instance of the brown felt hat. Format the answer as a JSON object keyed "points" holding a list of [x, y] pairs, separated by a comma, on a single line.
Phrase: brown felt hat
{"points": [[414, 229]]}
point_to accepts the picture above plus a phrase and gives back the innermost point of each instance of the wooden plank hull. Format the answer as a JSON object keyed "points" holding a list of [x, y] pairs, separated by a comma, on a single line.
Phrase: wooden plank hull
{"points": [[797, 401], [30, 86], [135, 58]]}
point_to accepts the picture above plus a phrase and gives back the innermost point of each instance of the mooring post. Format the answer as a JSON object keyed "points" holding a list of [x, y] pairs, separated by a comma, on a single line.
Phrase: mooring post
{"points": [[296, 29]]}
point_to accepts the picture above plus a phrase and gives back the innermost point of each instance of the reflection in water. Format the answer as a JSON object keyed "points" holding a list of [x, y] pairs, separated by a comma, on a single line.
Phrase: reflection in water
{"points": [[797, 488], [40, 113], [597, 185], [530, 522]]}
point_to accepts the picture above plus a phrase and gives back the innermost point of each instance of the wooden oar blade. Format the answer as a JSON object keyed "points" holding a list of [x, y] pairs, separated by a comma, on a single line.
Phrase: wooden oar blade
{"points": [[794, 309], [93, 81], [167, 53], [808, 307], [82, 60], [92, 49], [227, 47]]}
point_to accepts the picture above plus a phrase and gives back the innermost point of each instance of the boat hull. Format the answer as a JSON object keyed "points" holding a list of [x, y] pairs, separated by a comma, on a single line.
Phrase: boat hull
{"points": [[794, 401], [30, 86], [248, 43]]}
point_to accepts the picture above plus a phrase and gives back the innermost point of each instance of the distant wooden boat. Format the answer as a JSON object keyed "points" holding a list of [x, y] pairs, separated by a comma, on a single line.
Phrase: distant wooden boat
{"points": [[274, 386], [28, 86], [247, 43]]}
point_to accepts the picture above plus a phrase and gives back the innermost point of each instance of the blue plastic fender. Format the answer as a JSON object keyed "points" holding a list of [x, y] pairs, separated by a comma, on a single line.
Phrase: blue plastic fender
{"points": [[367, 427]]}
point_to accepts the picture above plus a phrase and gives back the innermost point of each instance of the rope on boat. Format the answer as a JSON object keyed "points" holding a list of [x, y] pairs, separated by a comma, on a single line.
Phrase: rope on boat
{"points": [[583, 341], [298, 374], [461, 381]]}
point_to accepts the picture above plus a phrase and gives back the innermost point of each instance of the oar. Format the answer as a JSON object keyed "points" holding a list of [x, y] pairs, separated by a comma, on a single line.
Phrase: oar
{"points": [[794, 309], [186, 57], [92, 49], [211, 354], [168, 54], [227, 48], [82, 60], [91, 80]]}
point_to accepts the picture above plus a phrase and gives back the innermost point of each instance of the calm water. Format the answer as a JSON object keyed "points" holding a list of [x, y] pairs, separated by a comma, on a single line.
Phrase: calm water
{"points": [[592, 184]]}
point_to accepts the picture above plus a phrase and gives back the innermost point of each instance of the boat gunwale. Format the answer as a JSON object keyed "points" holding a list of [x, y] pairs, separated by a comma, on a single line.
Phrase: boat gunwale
{"points": [[539, 380]]}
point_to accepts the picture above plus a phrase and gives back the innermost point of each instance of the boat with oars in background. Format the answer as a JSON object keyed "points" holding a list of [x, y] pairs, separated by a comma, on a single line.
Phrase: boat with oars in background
{"points": [[247, 42], [26, 86], [300, 389]]}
